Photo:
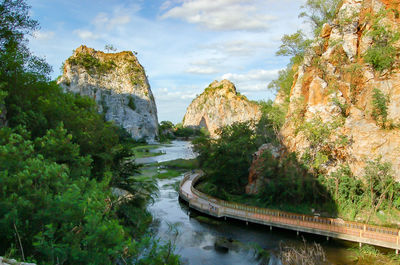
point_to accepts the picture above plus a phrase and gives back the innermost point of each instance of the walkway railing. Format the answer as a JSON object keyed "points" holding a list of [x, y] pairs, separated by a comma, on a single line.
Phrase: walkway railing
{"points": [[354, 231]]}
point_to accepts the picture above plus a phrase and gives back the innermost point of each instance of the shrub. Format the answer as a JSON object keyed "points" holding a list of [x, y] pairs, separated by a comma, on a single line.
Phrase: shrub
{"points": [[381, 57], [380, 109], [92, 64], [382, 54]]}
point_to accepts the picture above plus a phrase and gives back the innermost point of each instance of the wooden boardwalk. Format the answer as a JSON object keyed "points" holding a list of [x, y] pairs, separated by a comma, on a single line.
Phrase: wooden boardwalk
{"points": [[329, 227]]}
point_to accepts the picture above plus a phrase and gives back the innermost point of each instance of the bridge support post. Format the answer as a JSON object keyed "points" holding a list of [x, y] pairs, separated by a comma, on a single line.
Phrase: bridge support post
{"points": [[247, 223], [225, 218], [270, 228], [397, 252], [298, 233], [360, 244], [327, 238]]}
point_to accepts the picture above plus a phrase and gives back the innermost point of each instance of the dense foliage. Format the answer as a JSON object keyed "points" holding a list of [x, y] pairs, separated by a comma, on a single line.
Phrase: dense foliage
{"points": [[226, 159], [380, 109], [167, 131], [59, 164], [383, 51]]}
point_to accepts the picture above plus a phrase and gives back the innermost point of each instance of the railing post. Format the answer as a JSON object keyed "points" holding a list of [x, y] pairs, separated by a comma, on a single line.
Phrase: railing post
{"points": [[398, 237]]}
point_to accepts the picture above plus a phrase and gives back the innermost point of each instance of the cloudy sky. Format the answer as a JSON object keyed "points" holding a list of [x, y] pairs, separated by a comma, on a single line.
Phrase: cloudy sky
{"points": [[183, 44]]}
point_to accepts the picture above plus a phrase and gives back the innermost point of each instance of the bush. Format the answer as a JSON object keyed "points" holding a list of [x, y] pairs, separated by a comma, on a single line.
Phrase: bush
{"points": [[380, 109], [381, 57], [226, 159], [92, 64], [382, 54]]}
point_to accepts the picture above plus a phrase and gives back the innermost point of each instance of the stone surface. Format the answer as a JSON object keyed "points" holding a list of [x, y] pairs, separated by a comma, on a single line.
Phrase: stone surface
{"points": [[118, 83], [220, 105], [345, 77]]}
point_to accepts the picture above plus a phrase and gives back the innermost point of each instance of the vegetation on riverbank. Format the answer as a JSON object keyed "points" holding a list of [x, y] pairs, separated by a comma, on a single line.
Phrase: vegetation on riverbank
{"points": [[167, 132], [143, 150], [168, 169], [61, 166]]}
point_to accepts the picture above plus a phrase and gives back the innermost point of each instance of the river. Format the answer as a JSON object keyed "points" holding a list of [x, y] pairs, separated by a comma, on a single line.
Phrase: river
{"points": [[195, 239]]}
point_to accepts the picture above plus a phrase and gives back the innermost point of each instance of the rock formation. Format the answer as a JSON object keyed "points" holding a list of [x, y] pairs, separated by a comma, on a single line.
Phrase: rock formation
{"points": [[118, 83], [334, 116], [220, 105]]}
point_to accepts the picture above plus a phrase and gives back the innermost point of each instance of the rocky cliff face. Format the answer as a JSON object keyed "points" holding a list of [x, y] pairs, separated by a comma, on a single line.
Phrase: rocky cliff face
{"points": [[220, 105], [345, 107], [118, 83]]}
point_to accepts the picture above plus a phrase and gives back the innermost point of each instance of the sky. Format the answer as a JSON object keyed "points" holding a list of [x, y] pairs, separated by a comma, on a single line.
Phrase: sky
{"points": [[183, 45]]}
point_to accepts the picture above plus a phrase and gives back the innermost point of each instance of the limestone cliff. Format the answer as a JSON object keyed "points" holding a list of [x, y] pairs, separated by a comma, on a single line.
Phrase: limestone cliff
{"points": [[345, 107], [118, 83], [220, 105]]}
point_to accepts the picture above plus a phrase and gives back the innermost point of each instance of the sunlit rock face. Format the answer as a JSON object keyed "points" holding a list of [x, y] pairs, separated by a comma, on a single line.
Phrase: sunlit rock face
{"points": [[220, 105], [118, 84], [335, 84]]}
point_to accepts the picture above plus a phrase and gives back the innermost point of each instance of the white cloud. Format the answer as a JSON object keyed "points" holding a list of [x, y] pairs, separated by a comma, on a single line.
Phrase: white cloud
{"points": [[254, 80], [86, 34], [223, 14], [105, 21], [167, 95], [258, 74], [202, 70], [238, 47], [43, 35]]}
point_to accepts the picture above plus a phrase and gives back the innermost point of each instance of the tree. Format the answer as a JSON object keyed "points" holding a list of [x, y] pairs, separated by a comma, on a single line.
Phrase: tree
{"points": [[59, 160], [379, 183], [226, 159], [15, 22], [294, 45], [110, 48], [319, 12]]}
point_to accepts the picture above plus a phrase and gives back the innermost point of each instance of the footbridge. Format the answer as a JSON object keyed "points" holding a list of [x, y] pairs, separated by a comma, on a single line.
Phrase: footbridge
{"points": [[329, 227]]}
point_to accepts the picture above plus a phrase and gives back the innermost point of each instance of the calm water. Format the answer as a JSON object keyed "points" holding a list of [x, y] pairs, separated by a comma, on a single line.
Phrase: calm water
{"points": [[195, 240]]}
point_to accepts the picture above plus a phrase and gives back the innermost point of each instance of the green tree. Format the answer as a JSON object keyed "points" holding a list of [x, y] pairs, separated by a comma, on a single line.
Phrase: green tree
{"points": [[227, 158], [380, 108], [319, 12], [59, 162], [294, 45], [110, 48]]}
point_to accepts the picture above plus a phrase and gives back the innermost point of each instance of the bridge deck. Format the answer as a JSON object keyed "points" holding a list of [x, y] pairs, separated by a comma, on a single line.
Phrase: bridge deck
{"points": [[336, 228]]}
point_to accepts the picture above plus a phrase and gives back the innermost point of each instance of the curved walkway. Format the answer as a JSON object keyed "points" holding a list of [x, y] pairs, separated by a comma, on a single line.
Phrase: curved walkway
{"points": [[329, 227]]}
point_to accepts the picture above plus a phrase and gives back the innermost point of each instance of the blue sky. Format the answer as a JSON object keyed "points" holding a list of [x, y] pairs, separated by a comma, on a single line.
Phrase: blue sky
{"points": [[183, 45]]}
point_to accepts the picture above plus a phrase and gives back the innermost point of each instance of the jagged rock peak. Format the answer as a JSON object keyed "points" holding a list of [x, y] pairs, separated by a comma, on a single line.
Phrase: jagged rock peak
{"points": [[220, 105], [225, 84], [118, 84]]}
